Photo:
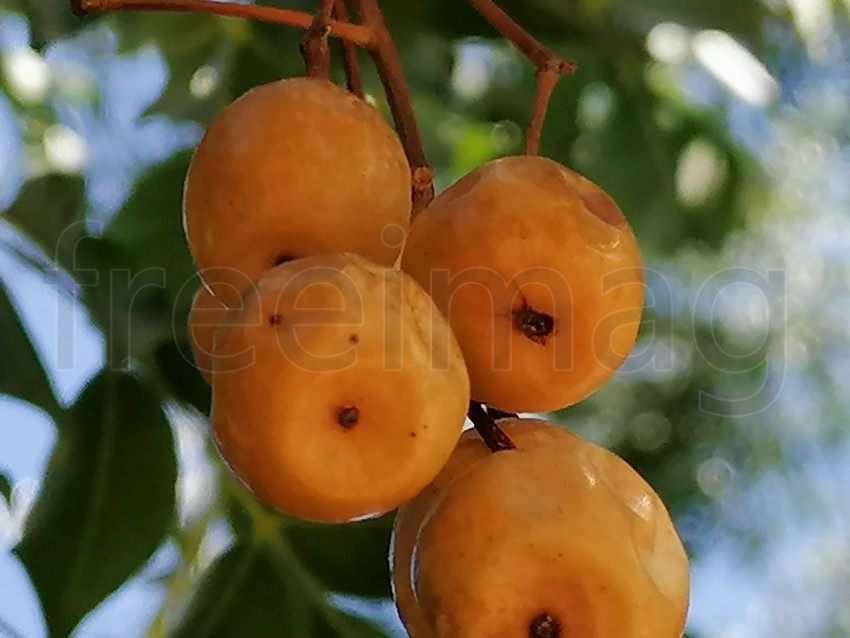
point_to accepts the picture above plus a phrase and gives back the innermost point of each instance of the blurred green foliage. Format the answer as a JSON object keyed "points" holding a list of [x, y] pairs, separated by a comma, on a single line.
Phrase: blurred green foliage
{"points": [[108, 499]]}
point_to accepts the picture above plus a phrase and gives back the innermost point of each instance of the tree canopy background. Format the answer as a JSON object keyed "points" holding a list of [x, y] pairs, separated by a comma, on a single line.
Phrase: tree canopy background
{"points": [[721, 128]]}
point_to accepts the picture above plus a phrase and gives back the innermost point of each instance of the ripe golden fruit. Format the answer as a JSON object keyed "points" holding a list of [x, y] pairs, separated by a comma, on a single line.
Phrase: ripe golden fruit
{"points": [[206, 315], [338, 389], [406, 532], [558, 538], [293, 168], [540, 277]]}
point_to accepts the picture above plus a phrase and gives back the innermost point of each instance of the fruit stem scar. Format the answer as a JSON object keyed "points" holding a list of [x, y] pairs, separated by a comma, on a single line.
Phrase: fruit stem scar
{"points": [[534, 325], [492, 435], [348, 416], [544, 626]]}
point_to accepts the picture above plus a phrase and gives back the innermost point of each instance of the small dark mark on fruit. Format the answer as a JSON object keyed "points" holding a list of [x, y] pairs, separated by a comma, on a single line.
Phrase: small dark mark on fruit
{"points": [[275, 320], [354, 338], [544, 626], [282, 258], [534, 326], [348, 416], [413, 434]]}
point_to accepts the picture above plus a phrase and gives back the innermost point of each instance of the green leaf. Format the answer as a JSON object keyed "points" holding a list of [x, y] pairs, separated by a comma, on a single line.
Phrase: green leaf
{"points": [[128, 302], [6, 488], [244, 594], [188, 42], [50, 210], [22, 376], [48, 21], [150, 227], [106, 503], [265, 54], [347, 559], [125, 286], [173, 361]]}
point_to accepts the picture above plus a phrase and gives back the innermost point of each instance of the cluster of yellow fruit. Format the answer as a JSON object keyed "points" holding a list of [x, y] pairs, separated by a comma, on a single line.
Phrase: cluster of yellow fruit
{"points": [[344, 345]]}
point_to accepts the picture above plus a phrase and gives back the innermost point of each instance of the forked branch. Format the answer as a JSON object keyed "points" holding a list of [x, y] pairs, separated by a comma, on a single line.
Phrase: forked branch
{"points": [[354, 33], [550, 66], [371, 35], [314, 45]]}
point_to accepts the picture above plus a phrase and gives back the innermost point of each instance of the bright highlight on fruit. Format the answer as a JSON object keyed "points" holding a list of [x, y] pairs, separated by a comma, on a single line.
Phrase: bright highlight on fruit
{"points": [[558, 538], [339, 389], [540, 277], [294, 168]]}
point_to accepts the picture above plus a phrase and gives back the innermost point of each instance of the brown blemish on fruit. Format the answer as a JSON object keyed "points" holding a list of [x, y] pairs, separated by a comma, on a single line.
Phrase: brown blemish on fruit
{"points": [[534, 325], [413, 435], [348, 416], [603, 207], [282, 258], [544, 626], [353, 338], [275, 320]]}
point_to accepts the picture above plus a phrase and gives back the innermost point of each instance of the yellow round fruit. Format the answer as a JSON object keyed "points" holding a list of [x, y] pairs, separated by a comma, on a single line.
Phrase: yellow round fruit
{"points": [[406, 531], [293, 168], [205, 317], [556, 539], [540, 276], [338, 389]]}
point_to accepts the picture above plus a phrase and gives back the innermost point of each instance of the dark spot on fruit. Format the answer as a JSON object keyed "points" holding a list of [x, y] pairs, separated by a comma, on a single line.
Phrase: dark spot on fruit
{"points": [[413, 434], [275, 320], [282, 258], [544, 626], [348, 416], [534, 326], [353, 338]]}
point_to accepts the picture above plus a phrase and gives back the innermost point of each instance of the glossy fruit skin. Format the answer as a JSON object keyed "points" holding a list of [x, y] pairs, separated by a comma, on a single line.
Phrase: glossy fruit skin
{"points": [[559, 527], [338, 390], [540, 276], [406, 527], [293, 168], [205, 317]]}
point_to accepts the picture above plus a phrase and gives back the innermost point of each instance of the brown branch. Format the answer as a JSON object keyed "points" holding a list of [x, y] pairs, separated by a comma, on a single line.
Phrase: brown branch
{"points": [[538, 53], [355, 33], [384, 53], [547, 79], [492, 434], [499, 414], [353, 74], [314, 44], [550, 66]]}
